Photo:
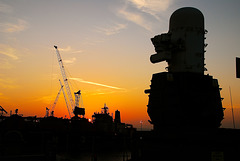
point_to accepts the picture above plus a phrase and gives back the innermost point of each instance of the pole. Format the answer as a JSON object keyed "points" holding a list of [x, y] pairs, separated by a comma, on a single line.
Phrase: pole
{"points": [[232, 107]]}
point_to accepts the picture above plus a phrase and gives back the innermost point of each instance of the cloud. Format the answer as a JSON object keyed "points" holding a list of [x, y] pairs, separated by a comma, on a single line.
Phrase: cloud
{"points": [[8, 51], [4, 8], [46, 99], [18, 26], [70, 50], [151, 6], [144, 12], [97, 84], [112, 29], [10, 24], [102, 92], [135, 18], [70, 61]]}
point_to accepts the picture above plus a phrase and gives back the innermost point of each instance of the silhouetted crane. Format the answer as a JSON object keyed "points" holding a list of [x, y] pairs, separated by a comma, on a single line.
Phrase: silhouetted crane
{"points": [[2, 110], [69, 94], [72, 108], [56, 99]]}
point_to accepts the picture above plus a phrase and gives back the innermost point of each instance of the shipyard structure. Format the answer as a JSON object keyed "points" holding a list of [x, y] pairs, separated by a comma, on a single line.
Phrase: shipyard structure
{"points": [[183, 96], [51, 138], [185, 105]]}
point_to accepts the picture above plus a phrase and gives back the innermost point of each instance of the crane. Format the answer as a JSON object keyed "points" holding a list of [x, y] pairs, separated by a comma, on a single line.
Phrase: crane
{"points": [[2, 110], [68, 90], [66, 100], [77, 98], [78, 110], [56, 99]]}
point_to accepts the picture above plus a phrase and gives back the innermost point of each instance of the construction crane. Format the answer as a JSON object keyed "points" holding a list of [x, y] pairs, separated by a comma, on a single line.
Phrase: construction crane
{"points": [[56, 99], [2, 110], [68, 90], [78, 110], [66, 100], [77, 98]]}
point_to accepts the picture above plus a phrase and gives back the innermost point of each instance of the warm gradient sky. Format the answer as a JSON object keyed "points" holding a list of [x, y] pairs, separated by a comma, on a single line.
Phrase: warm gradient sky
{"points": [[104, 42]]}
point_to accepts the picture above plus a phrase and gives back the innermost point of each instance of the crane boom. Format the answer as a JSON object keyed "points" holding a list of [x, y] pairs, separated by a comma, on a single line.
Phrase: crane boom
{"points": [[66, 100], [56, 99], [3, 110], [69, 94]]}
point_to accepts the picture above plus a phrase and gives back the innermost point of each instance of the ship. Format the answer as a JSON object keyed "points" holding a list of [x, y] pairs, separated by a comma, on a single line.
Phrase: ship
{"points": [[104, 123]]}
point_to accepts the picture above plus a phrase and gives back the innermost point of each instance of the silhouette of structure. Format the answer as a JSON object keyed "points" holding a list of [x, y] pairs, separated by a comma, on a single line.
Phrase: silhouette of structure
{"points": [[183, 96], [2, 110], [69, 100], [237, 67], [34, 138], [185, 104]]}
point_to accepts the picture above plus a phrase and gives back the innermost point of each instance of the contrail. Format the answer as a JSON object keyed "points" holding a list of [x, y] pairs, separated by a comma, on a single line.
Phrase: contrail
{"points": [[93, 83]]}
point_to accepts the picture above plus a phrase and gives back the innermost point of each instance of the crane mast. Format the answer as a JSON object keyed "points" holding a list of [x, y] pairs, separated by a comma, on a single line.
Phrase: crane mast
{"points": [[66, 100], [56, 99], [2, 110], [65, 80], [77, 98]]}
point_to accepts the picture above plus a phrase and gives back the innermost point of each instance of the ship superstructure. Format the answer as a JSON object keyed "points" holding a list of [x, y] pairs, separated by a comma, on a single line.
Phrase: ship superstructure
{"points": [[183, 96]]}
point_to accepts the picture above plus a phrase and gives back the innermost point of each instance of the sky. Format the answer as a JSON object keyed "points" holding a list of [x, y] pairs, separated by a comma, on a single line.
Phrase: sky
{"points": [[105, 46]]}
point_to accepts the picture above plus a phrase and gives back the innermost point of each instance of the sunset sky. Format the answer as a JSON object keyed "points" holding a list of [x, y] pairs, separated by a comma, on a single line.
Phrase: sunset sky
{"points": [[105, 46]]}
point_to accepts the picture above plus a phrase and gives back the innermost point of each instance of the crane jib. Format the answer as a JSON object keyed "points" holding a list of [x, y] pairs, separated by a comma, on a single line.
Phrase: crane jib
{"points": [[68, 90]]}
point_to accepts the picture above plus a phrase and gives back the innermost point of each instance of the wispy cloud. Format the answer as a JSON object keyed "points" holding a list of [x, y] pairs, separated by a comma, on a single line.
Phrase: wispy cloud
{"points": [[135, 18], [111, 30], [4, 8], [9, 23], [8, 51], [152, 7], [144, 12], [69, 49], [45, 99], [105, 91], [70, 61], [97, 84], [8, 27]]}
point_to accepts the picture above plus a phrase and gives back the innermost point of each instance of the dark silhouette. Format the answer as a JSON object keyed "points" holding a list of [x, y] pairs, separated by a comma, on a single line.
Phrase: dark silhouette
{"points": [[185, 105], [183, 96], [49, 138]]}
